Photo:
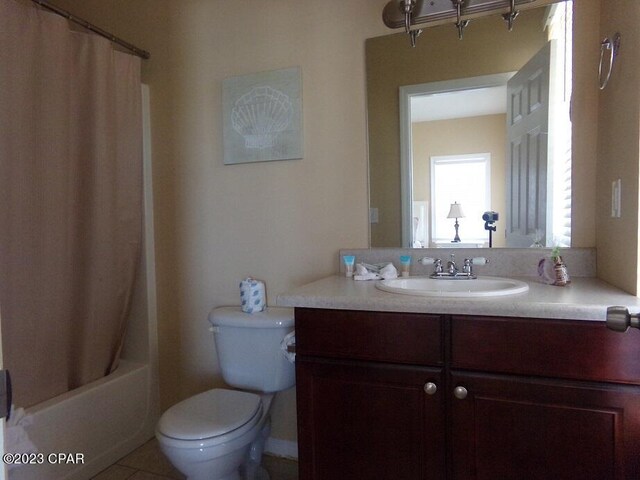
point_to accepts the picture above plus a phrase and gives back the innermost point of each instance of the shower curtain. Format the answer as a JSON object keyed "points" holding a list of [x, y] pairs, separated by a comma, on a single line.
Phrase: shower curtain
{"points": [[70, 200]]}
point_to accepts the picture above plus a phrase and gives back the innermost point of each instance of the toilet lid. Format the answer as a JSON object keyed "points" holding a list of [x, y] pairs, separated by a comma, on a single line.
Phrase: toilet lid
{"points": [[209, 414]]}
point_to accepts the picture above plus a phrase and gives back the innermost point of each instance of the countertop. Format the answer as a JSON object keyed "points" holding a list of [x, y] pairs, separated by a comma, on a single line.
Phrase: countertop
{"points": [[583, 299]]}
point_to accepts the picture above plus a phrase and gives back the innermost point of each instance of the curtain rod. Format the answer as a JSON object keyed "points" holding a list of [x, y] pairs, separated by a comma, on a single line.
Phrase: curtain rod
{"points": [[89, 26]]}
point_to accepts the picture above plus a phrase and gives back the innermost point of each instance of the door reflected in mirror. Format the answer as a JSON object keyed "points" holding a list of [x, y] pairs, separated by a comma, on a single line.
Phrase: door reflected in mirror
{"points": [[490, 141]]}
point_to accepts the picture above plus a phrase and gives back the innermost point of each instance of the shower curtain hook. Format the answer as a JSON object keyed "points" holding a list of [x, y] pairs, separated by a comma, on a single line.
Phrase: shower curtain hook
{"points": [[613, 46]]}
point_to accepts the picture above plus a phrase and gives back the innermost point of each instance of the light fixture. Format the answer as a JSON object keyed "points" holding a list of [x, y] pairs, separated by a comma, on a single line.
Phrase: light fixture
{"points": [[407, 7], [408, 13], [456, 212], [460, 24], [511, 15]]}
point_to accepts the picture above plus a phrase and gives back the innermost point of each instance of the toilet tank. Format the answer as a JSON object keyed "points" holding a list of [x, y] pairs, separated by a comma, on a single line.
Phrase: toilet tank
{"points": [[249, 347]]}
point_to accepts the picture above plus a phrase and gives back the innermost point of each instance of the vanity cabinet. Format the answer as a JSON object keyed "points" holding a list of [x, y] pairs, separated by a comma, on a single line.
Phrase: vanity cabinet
{"points": [[369, 395], [414, 396]]}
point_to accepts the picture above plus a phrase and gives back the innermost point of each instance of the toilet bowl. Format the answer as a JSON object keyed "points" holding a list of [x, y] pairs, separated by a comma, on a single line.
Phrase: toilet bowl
{"points": [[208, 436], [219, 433]]}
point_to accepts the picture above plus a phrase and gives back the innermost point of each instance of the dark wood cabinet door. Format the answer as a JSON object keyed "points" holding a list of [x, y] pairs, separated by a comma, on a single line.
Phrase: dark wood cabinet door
{"points": [[368, 421], [515, 428]]}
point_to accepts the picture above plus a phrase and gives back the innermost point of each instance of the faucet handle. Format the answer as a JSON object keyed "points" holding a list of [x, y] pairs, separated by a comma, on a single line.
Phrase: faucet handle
{"points": [[469, 262], [432, 261], [479, 261], [427, 261]]}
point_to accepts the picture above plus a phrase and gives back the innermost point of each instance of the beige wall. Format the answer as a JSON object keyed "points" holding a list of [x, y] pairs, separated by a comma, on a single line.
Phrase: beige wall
{"points": [[618, 149], [584, 116], [482, 134], [279, 221]]}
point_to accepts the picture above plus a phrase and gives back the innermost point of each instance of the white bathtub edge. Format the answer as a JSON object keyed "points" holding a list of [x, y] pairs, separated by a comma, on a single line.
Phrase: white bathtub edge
{"points": [[75, 423]]}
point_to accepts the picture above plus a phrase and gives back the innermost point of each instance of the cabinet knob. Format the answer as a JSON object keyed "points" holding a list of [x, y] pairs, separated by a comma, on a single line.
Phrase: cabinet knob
{"points": [[430, 388], [460, 393]]}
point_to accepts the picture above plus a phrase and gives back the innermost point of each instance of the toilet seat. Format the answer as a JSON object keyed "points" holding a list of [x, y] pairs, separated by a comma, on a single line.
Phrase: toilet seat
{"points": [[211, 417]]}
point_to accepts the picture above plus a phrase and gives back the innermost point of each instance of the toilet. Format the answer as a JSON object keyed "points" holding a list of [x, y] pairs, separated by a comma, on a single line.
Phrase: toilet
{"points": [[220, 433]]}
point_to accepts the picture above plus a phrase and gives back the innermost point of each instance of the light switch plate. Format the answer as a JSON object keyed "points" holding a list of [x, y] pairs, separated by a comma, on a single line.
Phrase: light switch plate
{"points": [[616, 196], [373, 215]]}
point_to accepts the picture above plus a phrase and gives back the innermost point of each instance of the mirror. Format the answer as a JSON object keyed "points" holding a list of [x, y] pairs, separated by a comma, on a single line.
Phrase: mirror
{"points": [[423, 160]]}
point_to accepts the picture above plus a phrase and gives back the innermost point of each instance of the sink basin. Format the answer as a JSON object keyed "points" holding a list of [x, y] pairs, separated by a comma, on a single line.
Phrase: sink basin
{"points": [[431, 287]]}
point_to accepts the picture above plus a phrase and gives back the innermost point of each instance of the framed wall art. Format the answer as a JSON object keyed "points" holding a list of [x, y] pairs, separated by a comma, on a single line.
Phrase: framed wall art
{"points": [[263, 116]]}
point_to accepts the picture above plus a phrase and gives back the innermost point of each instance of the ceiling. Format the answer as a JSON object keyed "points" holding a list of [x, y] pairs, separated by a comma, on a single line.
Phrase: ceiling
{"points": [[459, 104]]}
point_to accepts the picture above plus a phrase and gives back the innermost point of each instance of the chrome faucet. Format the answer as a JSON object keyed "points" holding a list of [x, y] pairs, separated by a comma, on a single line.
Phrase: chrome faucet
{"points": [[438, 266], [451, 265], [452, 272], [468, 266]]}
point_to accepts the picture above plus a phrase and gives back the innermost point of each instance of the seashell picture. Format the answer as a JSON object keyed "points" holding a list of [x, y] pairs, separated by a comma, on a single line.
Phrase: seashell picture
{"points": [[263, 116]]}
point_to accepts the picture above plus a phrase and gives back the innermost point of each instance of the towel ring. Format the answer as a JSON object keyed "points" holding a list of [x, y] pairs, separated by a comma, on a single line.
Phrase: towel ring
{"points": [[613, 47]]}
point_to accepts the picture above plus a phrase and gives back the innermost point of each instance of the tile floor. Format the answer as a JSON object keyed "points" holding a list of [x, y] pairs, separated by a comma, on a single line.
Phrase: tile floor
{"points": [[148, 463]]}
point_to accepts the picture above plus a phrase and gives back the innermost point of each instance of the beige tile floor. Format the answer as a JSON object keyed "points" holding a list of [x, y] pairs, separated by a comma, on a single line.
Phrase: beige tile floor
{"points": [[148, 463]]}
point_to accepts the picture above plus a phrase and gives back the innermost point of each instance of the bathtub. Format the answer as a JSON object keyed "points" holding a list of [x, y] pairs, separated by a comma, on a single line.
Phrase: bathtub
{"points": [[103, 420]]}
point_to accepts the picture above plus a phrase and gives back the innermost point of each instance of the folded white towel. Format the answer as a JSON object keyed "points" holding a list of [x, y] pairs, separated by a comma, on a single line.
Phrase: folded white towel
{"points": [[367, 276], [16, 439], [361, 269], [388, 272], [375, 272]]}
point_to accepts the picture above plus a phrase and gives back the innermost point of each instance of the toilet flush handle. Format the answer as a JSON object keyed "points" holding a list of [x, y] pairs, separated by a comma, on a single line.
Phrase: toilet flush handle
{"points": [[214, 329]]}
